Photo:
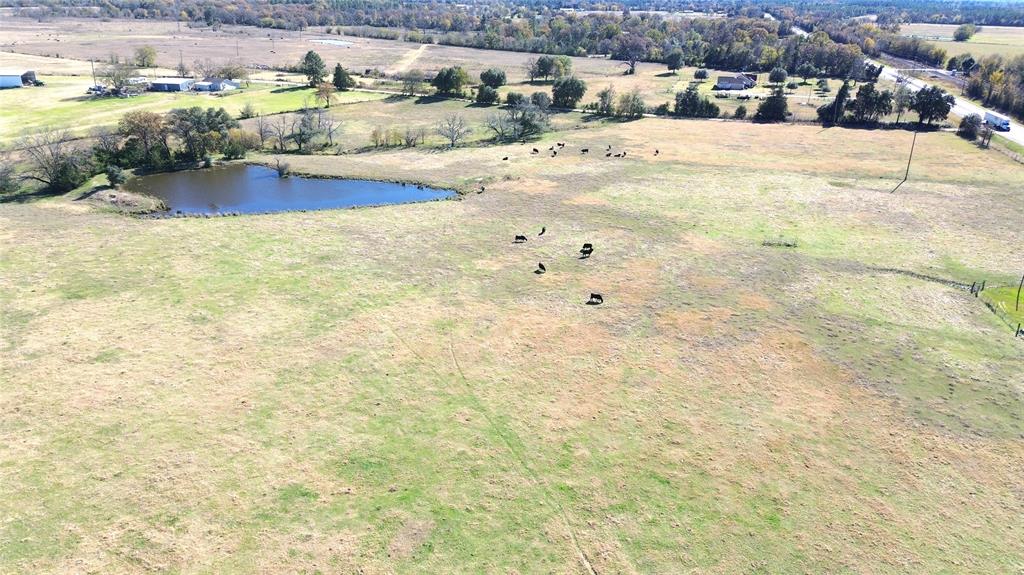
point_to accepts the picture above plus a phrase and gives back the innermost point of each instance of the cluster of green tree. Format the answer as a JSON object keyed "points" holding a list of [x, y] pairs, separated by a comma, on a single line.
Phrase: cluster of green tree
{"points": [[873, 39], [57, 162], [146, 139], [870, 105], [996, 81], [964, 32], [521, 118]]}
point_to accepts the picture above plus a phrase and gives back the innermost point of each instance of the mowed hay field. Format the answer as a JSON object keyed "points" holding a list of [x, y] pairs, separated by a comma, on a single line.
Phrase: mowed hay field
{"points": [[1007, 41], [393, 390]]}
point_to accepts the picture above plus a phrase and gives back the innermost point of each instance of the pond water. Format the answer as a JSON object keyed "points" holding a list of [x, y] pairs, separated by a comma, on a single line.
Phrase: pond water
{"points": [[251, 189], [334, 42]]}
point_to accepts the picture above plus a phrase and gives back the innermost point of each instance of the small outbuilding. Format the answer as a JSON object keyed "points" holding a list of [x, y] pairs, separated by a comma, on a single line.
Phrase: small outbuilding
{"points": [[17, 78], [171, 84], [737, 82], [217, 84]]}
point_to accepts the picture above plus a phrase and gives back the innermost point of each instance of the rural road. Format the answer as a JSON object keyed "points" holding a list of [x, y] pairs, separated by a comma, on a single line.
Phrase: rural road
{"points": [[962, 107]]}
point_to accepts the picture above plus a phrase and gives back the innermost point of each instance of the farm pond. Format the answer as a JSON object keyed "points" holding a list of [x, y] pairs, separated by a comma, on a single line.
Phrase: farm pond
{"points": [[250, 189]]}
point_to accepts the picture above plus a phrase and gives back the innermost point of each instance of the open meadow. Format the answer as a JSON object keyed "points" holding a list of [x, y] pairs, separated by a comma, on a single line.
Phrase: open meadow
{"points": [[63, 102], [788, 372], [37, 46], [394, 390], [1007, 41]]}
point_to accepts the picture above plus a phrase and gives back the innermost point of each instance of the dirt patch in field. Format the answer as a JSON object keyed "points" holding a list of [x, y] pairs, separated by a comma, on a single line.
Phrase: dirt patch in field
{"points": [[585, 200], [702, 244], [410, 537], [694, 322], [755, 301], [532, 186], [636, 282]]}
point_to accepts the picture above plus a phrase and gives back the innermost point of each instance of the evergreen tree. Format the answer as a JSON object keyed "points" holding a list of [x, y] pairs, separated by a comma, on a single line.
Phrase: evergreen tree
{"points": [[313, 67], [832, 113], [774, 108], [342, 80]]}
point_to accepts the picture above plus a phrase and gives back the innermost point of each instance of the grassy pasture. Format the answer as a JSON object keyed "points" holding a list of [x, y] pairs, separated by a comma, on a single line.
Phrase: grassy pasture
{"points": [[1006, 41], [653, 81], [63, 102], [393, 390]]}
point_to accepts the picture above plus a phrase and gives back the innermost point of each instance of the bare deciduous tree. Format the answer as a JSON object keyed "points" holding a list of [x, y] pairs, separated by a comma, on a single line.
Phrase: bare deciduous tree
{"points": [[414, 136], [8, 181], [454, 129], [117, 75], [306, 129], [329, 125], [325, 93], [204, 68], [412, 82], [263, 130], [56, 160], [282, 130], [499, 124], [108, 142]]}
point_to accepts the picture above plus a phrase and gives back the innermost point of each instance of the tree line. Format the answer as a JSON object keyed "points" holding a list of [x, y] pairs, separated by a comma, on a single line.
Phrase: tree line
{"points": [[743, 41]]}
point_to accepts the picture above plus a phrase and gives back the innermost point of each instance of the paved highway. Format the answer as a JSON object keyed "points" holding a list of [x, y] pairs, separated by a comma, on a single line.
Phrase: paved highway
{"points": [[962, 107]]}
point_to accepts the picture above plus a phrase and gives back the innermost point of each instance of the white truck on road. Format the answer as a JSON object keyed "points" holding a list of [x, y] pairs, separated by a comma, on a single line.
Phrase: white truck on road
{"points": [[997, 122]]}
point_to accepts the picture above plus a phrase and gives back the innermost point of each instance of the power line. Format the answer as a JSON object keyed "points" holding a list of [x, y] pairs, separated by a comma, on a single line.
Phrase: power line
{"points": [[907, 174]]}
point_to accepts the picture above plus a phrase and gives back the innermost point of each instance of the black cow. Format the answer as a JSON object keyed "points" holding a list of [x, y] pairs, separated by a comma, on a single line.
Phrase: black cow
{"points": [[535, 151], [608, 155], [656, 152], [586, 250], [540, 269], [542, 230], [595, 299], [585, 151], [505, 158], [519, 239]]}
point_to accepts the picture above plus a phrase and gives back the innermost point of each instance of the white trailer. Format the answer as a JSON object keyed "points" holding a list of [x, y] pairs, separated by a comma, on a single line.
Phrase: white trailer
{"points": [[997, 122]]}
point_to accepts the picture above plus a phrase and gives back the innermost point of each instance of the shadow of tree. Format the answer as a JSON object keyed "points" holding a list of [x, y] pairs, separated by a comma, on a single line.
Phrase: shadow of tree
{"points": [[28, 196]]}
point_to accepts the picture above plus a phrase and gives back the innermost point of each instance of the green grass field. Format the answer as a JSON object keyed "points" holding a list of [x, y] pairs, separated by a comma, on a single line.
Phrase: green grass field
{"points": [[1005, 41], [63, 102], [392, 390]]}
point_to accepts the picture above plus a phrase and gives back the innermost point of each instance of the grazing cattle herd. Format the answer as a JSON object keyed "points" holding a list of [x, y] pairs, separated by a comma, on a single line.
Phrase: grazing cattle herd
{"points": [[555, 148], [585, 252], [588, 248]]}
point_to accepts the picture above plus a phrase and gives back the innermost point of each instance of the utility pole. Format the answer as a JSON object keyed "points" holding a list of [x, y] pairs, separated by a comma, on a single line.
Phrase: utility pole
{"points": [[1017, 307], [907, 174], [92, 64]]}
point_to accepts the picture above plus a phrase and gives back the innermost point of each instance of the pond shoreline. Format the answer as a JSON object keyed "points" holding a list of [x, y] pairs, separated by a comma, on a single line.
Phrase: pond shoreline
{"points": [[320, 176], [247, 187]]}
